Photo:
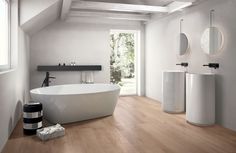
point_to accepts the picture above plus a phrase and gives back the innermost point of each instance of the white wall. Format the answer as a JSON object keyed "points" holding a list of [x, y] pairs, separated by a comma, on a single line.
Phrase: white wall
{"points": [[14, 84], [83, 40], [160, 53]]}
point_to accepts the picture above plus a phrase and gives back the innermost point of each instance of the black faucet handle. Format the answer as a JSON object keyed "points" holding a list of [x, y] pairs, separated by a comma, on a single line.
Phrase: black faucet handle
{"points": [[183, 64], [213, 65], [52, 77]]}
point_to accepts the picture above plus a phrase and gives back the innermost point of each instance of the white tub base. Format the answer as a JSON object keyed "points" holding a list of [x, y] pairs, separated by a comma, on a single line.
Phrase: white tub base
{"points": [[76, 102]]}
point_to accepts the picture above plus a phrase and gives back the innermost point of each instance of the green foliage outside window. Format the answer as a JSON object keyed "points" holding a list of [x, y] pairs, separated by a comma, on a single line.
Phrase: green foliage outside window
{"points": [[122, 56]]}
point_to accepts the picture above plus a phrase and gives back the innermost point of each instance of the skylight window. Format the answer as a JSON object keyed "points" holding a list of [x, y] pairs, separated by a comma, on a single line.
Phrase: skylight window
{"points": [[4, 34]]}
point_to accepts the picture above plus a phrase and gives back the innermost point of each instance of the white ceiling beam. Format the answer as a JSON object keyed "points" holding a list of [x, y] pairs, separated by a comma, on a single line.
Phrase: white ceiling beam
{"points": [[109, 15], [186, 0], [177, 5], [66, 4], [103, 6]]}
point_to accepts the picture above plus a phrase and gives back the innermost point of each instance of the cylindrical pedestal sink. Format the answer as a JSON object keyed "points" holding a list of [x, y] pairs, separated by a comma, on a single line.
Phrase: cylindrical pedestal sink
{"points": [[173, 91], [200, 99]]}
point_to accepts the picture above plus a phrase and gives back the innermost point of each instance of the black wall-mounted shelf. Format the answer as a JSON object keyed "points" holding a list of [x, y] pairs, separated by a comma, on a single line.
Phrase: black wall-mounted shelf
{"points": [[69, 68]]}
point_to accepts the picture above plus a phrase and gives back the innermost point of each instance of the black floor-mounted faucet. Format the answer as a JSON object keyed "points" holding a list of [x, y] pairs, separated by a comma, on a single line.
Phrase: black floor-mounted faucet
{"points": [[47, 80]]}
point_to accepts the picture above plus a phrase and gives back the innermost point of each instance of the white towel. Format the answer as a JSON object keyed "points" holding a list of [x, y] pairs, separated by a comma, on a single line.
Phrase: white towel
{"points": [[51, 132]]}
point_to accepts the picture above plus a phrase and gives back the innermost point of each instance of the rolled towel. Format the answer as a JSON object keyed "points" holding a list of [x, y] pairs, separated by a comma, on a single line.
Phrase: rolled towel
{"points": [[51, 132]]}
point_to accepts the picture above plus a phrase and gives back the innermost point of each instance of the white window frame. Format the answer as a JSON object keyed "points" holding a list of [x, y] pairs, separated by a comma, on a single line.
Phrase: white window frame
{"points": [[8, 65]]}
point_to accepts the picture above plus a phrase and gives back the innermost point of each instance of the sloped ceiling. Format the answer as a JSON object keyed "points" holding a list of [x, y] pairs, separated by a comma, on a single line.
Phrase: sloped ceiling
{"points": [[36, 14], [139, 2], [139, 10]]}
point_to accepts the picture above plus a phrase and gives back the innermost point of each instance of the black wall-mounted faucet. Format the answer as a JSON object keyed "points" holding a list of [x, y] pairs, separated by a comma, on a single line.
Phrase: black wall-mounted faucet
{"points": [[183, 64], [213, 65], [47, 80]]}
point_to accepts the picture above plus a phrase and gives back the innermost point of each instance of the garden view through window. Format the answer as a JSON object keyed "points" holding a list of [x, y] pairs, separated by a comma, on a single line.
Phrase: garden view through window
{"points": [[4, 34], [122, 61]]}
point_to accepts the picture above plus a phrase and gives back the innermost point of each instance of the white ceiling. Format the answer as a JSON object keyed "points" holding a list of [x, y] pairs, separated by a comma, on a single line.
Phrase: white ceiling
{"points": [[140, 2], [35, 15], [49, 10], [133, 9]]}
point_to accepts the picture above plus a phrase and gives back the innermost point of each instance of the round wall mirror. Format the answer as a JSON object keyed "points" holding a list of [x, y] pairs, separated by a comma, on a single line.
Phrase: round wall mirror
{"points": [[182, 41], [183, 44], [212, 41]]}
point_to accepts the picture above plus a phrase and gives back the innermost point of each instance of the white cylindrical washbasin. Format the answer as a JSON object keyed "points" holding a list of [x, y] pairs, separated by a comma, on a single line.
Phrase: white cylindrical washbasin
{"points": [[173, 91], [200, 99]]}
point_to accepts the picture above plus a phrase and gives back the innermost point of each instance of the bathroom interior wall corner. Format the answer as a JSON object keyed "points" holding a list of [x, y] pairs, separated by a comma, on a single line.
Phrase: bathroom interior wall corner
{"points": [[160, 53], [81, 40], [14, 84]]}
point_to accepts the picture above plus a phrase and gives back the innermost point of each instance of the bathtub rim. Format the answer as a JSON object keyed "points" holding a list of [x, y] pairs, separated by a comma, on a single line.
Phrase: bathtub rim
{"points": [[73, 94]]}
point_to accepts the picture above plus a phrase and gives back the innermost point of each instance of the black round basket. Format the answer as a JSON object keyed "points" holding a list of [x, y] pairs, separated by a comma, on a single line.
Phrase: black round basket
{"points": [[32, 118]]}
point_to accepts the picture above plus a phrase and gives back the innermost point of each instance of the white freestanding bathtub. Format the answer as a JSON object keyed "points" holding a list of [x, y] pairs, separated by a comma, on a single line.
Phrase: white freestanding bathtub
{"points": [[76, 102]]}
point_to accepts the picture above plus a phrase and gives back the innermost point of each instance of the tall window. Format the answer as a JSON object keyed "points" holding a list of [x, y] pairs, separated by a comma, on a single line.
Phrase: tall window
{"points": [[4, 34]]}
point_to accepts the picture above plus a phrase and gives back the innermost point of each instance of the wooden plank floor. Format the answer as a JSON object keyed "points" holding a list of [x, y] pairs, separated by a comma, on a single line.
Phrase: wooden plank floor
{"points": [[137, 126]]}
